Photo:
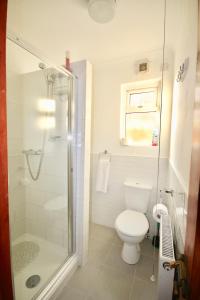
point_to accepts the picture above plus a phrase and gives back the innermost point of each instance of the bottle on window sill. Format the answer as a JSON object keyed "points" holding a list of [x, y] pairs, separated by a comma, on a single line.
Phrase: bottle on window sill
{"points": [[67, 61], [155, 138]]}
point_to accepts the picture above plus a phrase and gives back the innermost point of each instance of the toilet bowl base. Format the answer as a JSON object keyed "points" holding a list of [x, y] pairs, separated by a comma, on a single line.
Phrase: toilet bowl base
{"points": [[131, 253]]}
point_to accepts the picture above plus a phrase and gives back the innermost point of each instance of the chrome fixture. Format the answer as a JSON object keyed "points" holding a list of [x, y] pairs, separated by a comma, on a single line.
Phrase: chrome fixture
{"points": [[32, 152], [50, 79], [102, 11], [55, 138], [33, 281]]}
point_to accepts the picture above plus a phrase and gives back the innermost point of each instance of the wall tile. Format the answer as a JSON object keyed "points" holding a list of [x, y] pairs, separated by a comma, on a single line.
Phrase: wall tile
{"points": [[106, 207]]}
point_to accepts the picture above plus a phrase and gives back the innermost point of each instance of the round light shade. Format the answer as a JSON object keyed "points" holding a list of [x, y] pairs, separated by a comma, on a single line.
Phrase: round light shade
{"points": [[101, 11]]}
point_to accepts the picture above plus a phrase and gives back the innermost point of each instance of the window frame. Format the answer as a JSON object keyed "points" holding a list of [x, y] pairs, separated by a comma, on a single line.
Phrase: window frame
{"points": [[126, 90], [132, 109]]}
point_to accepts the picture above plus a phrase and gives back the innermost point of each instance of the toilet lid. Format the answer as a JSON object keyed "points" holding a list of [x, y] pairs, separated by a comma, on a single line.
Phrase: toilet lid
{"points": [[132, 223]]}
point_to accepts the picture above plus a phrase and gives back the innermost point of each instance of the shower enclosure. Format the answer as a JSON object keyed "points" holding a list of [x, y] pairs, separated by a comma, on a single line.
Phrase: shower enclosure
{"points": [[40, 159]]}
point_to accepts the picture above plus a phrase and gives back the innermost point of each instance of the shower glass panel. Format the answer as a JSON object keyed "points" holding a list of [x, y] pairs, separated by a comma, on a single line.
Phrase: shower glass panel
{"points": [[39, 100]]}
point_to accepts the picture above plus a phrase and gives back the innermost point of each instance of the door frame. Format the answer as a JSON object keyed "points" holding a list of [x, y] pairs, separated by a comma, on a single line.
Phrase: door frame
{"points": [[6, 290], [192, 241], [192, 245]]}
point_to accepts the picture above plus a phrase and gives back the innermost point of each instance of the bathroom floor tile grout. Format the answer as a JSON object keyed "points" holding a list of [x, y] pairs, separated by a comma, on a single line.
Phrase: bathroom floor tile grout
{"points": [[103, 244], [132, 285]]}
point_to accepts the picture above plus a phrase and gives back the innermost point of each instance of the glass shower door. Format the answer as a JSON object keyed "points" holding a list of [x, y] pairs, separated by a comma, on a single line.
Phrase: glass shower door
{"points": [[39, 100]]}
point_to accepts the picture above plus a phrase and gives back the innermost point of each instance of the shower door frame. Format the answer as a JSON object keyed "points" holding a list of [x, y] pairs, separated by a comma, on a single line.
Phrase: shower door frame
{"points": [[70, 132], [71, 263], [71, 259]]}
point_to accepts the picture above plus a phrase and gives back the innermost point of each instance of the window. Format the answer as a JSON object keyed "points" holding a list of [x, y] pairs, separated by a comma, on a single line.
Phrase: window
{"points": [[140, 114], [143, 100]]}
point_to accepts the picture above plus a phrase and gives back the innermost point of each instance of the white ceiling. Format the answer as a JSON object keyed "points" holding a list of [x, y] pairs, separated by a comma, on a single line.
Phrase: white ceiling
{"points": [[54, 26]]}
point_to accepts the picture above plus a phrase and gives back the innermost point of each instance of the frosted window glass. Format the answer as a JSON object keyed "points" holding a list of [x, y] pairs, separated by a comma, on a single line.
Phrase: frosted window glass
{"points": [[140, 127]]}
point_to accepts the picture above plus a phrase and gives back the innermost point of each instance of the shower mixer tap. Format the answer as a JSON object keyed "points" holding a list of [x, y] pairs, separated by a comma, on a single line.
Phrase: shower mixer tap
{"points": [[32, 152]]}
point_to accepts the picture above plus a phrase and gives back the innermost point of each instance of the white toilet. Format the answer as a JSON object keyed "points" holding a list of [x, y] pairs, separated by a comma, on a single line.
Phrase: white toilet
{"points": [[132, 224]]}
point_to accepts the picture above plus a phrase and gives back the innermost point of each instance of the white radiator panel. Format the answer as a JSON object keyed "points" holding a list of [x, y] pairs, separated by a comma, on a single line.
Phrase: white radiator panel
{"points": [[166, 254]]}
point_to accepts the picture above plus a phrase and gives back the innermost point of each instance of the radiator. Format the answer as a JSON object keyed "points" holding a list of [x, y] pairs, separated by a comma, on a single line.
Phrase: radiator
{"points": [[166, 255]]}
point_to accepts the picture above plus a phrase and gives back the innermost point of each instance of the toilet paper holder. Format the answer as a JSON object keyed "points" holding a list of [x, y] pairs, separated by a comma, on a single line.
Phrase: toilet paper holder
{"points": [[171, 192]]}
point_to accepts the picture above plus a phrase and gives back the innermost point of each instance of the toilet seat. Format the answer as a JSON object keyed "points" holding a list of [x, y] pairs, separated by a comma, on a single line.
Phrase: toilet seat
{"points": [[132, 223]]}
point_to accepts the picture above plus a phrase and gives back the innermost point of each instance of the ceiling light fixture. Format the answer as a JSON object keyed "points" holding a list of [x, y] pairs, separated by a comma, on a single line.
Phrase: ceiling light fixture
{"points": [[102, 11]]}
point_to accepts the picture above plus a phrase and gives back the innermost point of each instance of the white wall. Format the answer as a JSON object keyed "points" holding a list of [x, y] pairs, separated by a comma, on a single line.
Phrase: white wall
{"points": [[108, 78], [106, 207], [139, 163], [183, 93], [183, 15]]}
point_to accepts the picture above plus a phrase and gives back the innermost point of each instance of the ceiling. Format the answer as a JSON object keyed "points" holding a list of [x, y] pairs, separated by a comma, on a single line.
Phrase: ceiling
{"points": [[56, 26]]}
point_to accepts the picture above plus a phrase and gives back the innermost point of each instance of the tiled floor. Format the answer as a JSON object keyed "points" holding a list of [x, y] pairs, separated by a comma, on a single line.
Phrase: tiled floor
{"points": [[106, 276]]}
